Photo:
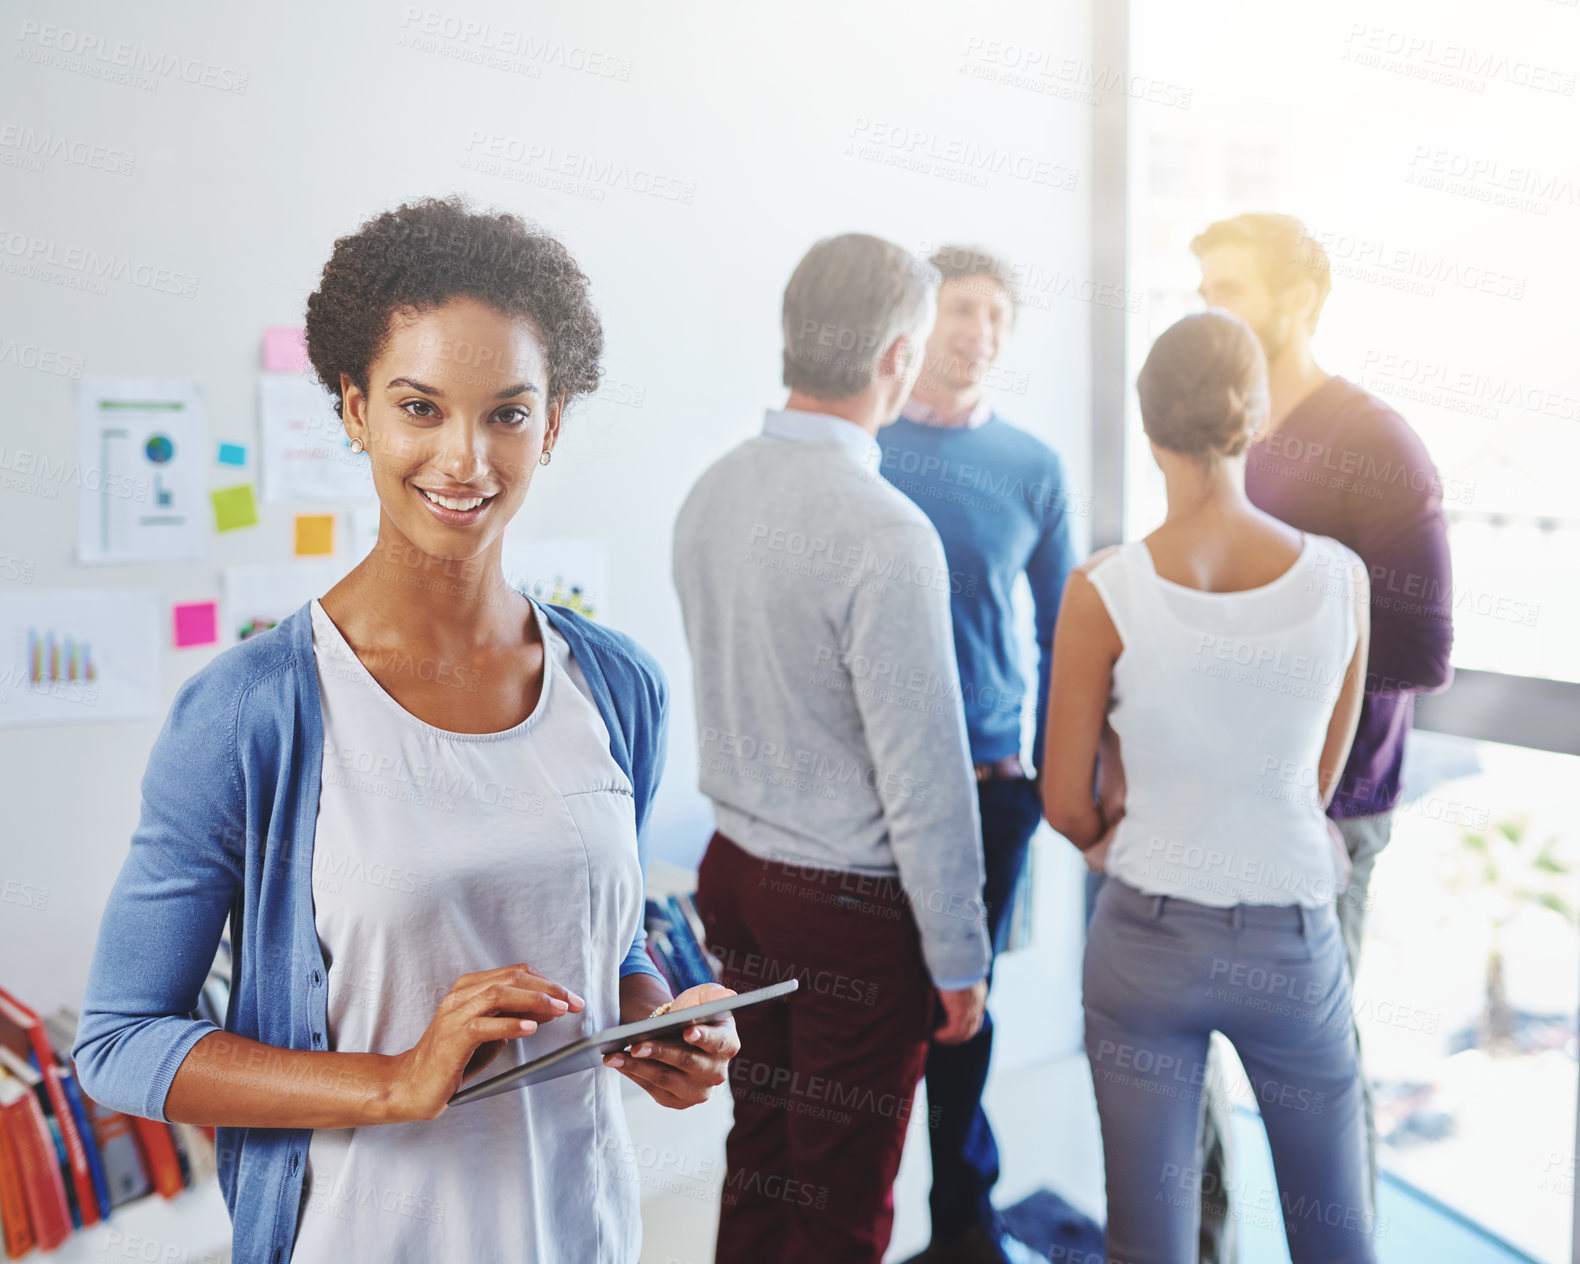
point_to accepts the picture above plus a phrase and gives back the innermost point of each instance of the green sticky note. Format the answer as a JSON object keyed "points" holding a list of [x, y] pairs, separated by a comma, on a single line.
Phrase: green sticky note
{"points": [[234, 507]]}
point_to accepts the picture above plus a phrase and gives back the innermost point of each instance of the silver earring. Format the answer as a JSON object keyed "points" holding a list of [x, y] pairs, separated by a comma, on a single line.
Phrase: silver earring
{"points": [[548, 455], [357, 445]]}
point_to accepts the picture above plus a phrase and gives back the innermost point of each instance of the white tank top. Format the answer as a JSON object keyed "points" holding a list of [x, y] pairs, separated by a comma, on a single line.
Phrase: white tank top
{"points": [[1221, 702], [437, 854]]}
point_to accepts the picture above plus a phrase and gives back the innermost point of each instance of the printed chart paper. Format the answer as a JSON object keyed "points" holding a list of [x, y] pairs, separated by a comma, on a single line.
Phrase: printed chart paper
{"points": [[144, 456], [258, 596], [306, 455], [561, 571], [75, 656]]}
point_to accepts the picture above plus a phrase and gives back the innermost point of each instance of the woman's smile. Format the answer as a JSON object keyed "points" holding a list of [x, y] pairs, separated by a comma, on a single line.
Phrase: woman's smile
{"points": [[453, 508]]}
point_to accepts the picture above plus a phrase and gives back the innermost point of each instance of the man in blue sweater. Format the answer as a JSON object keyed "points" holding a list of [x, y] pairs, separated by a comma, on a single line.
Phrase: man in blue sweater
{"points": [[998, 499]]}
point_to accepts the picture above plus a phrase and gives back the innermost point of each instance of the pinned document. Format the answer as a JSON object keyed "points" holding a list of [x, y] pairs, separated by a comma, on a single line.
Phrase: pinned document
{"points": [[79, 656], [306, 454], [140, 468]]}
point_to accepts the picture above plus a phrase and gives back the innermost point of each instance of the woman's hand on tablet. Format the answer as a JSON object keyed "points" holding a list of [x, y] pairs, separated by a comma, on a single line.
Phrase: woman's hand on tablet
{"points": [[479, 1013], [682, 1073]]}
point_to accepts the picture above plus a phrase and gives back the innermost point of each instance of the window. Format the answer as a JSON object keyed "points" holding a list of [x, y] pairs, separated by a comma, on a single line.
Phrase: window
{"points": [[1430, 149]]}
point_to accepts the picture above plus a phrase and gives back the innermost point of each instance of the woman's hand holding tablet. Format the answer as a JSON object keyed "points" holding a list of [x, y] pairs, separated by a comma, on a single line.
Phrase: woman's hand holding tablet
{"points": [[681, 1073], [687, 1051]]}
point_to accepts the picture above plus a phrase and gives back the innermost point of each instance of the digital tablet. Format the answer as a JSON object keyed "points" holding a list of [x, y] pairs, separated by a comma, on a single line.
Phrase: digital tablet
{"points": [[590, 1051]]}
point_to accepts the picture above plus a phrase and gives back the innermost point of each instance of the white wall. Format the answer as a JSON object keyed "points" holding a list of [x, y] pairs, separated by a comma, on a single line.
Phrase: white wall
{"points": [[343, 115]]}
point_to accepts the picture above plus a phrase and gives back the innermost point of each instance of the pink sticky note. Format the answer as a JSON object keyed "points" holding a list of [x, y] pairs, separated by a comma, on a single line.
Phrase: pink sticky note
{"points": [[196, 623], [284, 349]]}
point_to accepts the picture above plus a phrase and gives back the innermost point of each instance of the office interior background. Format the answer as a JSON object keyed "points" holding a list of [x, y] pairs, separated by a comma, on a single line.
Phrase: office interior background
{"points": [[688, 156]]}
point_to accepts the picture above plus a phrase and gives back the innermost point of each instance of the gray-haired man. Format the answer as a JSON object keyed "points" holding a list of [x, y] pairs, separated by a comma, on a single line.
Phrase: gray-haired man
{"points": [[848, 850]]}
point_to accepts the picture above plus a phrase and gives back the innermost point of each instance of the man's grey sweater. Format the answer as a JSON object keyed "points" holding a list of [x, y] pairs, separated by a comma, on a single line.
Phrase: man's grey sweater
{"points": [[816, 604]]}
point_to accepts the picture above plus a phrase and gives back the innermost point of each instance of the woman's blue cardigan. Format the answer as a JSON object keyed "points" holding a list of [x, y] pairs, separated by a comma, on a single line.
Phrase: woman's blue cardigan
{"points": [[229, 811]]}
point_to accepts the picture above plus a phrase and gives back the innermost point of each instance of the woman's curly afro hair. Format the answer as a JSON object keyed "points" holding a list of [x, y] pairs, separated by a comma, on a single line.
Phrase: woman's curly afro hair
{"points": [[422, 254]]}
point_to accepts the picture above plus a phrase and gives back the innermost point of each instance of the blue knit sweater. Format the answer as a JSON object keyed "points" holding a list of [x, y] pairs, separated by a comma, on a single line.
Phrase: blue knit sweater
{"points": [[998, 498]]}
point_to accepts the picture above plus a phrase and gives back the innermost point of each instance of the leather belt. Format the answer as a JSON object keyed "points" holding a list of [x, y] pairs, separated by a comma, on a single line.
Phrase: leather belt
{"points": [[1006, 769]]}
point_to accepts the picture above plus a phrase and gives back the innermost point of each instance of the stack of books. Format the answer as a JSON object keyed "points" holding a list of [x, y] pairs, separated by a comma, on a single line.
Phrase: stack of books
{"points": [[65, 1161], [677, 943]]}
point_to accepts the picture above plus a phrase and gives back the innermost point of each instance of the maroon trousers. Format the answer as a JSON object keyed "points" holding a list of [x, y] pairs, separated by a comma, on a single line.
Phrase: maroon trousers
{"points": [[824, 1081]]}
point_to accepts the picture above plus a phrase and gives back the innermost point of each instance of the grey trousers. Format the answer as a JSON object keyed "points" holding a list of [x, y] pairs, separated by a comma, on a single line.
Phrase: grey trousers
{"points": [[1364, 839], [1161, 975]]}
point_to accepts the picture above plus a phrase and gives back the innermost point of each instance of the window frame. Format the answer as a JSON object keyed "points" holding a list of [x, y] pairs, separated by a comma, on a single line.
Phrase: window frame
{"points": [[1531, 711]]}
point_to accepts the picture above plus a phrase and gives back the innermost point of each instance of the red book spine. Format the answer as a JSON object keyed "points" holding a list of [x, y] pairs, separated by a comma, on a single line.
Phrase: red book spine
{"points": [[159, 1154], [34, 1150], [13, 1201], [87, 1199], [76, 1156]]}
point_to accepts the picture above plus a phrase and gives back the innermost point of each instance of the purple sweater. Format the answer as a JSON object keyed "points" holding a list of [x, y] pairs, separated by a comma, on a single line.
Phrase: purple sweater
{"points": [[1344, 464]]}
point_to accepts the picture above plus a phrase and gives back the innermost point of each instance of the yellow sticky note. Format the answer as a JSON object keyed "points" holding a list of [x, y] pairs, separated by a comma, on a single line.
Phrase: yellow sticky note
{"points": [[234, 507], [315, 534]]}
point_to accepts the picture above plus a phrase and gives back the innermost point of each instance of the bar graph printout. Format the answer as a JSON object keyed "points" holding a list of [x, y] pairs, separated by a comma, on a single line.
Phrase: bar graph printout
{"points": [[72, 657]]}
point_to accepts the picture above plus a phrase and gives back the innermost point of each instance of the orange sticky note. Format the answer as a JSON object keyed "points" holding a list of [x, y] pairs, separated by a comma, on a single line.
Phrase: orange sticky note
{"points": [[315, 535]]}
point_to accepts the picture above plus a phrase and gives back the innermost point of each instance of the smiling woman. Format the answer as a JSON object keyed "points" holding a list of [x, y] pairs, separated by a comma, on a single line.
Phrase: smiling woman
{"points": [[400, 797], [452, 342]]}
